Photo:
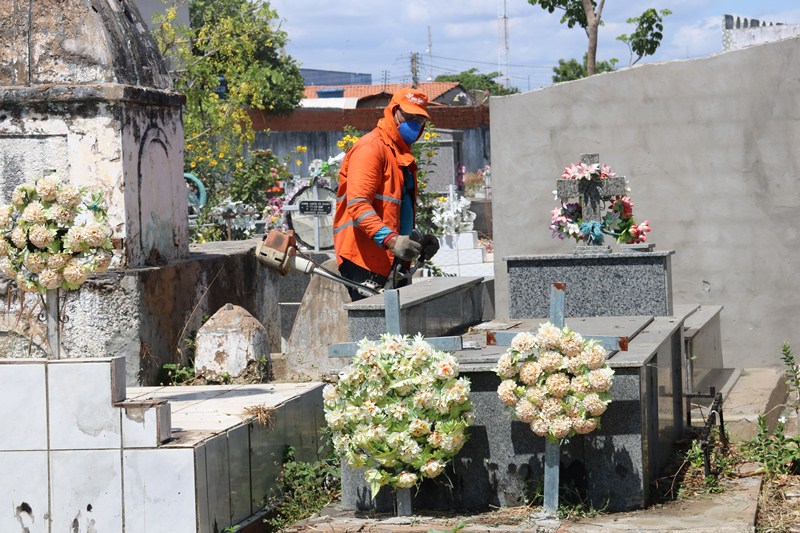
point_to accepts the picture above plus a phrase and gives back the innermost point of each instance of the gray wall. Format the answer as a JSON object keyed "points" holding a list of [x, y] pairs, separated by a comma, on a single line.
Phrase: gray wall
{"points": [[710, 147]]}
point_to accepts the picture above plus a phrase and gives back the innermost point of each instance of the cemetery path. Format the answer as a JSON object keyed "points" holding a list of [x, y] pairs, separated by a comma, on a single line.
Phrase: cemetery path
{"points": [[732, 511]]}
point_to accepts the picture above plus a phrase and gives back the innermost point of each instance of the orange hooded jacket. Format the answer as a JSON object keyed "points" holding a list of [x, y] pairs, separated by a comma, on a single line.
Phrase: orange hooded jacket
{"points": [[371, 189]]}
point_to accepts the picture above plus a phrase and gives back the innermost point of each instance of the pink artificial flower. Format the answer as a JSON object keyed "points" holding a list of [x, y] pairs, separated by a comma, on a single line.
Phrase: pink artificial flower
{"points": [[570, 172], [639, 232], [622, 205], [606, 172]]}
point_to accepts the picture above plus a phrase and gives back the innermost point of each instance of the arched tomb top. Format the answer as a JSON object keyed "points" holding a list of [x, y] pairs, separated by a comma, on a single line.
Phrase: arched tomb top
{"points": [[77, 42]]}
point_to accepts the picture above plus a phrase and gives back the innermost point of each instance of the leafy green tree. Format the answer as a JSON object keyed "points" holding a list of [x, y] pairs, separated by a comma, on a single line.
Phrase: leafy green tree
{"points": [[572, 70], [588, 15], [473, 80], [645, 40], [231, 59]]}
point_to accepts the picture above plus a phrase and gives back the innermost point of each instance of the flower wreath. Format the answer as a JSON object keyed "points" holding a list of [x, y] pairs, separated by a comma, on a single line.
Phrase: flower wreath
{"points": [[566, 221], [555, 381], [399, 411], [54, 235]]}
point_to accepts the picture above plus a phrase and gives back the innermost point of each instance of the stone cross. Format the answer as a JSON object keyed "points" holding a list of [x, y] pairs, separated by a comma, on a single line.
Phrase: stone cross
{"points": [[591, 194]]}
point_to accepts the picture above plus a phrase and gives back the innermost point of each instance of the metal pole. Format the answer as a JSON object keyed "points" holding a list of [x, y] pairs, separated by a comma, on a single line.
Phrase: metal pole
{"points": [[552, 452], [391, 307], [552, 455], [315, 196], [404, 501], [53, 333]]}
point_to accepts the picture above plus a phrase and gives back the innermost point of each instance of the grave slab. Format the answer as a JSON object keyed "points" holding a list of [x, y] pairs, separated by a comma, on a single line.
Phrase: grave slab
{"points": [[615, 284], [431, 306], [502, 462]]}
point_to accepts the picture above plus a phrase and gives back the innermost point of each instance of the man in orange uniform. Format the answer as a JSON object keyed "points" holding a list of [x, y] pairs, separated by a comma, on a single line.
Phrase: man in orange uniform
{"points": [[376, 199]]}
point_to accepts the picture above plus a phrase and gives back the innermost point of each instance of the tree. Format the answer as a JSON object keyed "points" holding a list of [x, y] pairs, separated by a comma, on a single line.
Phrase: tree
{"points": [[572, 70], [473, 80], [231, 59], [645, 40], [588, 13]]}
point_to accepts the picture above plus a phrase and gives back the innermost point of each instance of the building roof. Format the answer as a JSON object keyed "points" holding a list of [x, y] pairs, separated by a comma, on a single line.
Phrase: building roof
{"points": [[434, 89], [333, 103]]}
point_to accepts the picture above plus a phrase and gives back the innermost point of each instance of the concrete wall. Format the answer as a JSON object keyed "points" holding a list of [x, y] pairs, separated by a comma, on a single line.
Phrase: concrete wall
{"points": [[740, 32], [710, 150], [146, 314]]}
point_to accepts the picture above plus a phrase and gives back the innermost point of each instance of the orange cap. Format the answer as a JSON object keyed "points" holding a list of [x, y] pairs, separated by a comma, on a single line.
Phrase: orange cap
{"points": [[411, 101]]}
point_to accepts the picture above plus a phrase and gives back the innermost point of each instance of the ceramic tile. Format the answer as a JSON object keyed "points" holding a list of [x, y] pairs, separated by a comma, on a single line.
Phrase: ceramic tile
{"points": [[164, 419], [471, 256], [86, 488], [239, 467], [140, 427], [201, 490], [118, 379], [480, 269], [446, 257], [467, 239], [268, 449], [160, 490], [81, 412], [23, 410], [219, 502], [23, 492]]}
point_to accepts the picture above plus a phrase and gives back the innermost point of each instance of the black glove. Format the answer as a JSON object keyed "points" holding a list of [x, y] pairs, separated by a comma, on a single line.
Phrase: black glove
{"points": [[430, 245], [405, 248]]}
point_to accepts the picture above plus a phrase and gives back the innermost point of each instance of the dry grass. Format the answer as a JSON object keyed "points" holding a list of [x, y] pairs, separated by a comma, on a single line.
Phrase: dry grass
{"points": [[262, 414], [779, 505]]}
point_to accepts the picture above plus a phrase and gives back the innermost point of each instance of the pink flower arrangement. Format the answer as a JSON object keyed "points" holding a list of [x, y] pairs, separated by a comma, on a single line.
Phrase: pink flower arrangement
{"points": [[619, 222], [582, 171]]}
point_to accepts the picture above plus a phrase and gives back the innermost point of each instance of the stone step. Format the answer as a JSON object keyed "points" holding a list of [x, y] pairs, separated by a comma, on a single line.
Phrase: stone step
{"points": [[747, 393]]}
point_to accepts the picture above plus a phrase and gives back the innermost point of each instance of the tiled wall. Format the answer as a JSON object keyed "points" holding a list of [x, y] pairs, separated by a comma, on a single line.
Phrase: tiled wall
{"points": [[461, 255], [72, 461]]}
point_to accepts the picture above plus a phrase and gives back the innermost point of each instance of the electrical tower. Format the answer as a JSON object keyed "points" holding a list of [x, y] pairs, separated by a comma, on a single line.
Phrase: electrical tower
{"points": [[430, 55], [502, 47]]}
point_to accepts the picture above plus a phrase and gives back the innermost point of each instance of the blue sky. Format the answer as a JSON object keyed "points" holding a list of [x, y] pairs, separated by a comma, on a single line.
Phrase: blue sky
{"points": [[378, 36]]}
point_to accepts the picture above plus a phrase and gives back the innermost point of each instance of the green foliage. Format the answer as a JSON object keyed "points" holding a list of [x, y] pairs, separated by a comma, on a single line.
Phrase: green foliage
{"points": [[719, 460], [646, 38], [473, 80], [777, 453], [572, 70], [573, 10], [175, 374], [425, 150], [236, 44], [302, 489], [256, 180], [792, 372]]}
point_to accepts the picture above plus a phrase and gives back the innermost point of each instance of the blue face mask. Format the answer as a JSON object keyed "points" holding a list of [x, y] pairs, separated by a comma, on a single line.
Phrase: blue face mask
{"points": [[409, 131]]}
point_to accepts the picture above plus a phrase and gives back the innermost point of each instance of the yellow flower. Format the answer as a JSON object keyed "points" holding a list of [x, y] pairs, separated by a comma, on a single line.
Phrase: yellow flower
{"points": [[298, 162], [213, 162], [301, 149], [222, 155], [192, 164]]}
